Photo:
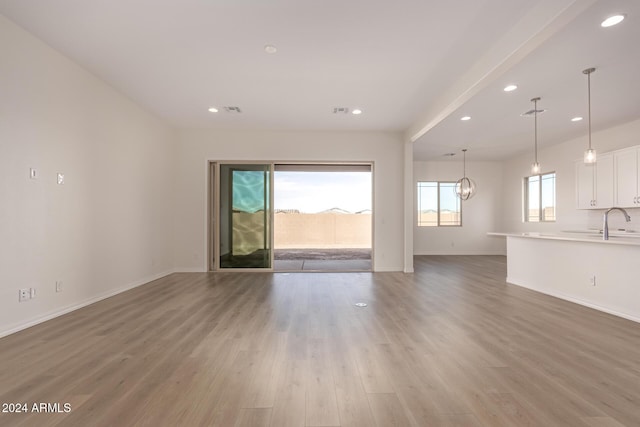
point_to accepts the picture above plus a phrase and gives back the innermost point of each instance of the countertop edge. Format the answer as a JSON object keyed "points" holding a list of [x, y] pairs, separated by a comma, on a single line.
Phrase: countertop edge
{"points": [[626, 241]]}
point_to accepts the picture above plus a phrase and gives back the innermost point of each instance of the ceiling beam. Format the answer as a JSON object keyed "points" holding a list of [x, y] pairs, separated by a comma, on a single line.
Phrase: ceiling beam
{"points": [[546, 19]]}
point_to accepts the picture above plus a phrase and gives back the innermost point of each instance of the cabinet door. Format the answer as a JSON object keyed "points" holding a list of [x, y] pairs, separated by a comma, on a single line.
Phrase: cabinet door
{"points": [[626, 178], [603, 194], [584, 185]]}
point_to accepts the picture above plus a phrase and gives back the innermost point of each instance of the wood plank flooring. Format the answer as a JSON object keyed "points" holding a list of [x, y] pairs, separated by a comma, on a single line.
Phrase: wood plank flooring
{"points": [[451, 345]]}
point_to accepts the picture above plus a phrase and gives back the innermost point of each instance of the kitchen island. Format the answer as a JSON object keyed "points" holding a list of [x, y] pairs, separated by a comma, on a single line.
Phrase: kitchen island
{"points": [[580, 267]]}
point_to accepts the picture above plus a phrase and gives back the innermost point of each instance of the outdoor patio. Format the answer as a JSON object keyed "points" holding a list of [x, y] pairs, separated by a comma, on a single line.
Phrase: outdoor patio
{"points": [[342, 259]]}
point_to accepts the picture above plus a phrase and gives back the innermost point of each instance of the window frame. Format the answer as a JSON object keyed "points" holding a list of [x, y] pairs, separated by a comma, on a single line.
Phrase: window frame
{"points": [[438, 189], [525, 212]]}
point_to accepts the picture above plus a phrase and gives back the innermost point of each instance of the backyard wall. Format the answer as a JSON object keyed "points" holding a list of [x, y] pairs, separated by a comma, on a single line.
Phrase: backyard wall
{"points": [[322, 230]]}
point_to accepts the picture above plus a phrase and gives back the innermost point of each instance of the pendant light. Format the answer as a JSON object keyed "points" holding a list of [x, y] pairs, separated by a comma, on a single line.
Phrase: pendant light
{"points": [[465, 188], [535, 167], [590, 154]]}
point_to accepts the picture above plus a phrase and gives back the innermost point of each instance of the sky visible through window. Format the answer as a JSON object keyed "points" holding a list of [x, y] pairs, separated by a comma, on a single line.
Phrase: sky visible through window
{"points": [[429, 197], [541, 198], [549, 190], [312, 192], [430, 213]]}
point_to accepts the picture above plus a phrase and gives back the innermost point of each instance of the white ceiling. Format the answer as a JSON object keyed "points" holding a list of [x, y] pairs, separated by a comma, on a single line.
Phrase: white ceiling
{"points": [[552, 72], [414, 66]]}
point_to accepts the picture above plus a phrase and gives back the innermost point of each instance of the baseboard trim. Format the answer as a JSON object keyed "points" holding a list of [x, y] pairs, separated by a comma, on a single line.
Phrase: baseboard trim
{"points": [[190, 270], [461, 253], [74, 307], [574, 300]]}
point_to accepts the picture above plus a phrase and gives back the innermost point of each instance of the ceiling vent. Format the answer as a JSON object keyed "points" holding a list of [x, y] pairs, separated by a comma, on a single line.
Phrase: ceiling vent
{"points": [[531, 112], [236, 110], [341, 110]]}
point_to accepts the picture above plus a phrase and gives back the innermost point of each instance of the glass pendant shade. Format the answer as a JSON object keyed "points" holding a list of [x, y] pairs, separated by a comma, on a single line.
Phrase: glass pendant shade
{"points": [[590, 156], [465, 187], [535, 168]]}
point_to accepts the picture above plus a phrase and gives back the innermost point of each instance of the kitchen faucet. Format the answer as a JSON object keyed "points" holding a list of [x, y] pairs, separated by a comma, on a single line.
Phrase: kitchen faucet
{"points": [[605, 228]]}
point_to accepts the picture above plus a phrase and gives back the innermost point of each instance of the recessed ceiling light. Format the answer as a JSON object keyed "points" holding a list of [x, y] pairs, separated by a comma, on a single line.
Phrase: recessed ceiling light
{"points": [[269, 48], [356, 111], [510, 88], [576, 119], [213, 110], [612, 20], [465, 118]]}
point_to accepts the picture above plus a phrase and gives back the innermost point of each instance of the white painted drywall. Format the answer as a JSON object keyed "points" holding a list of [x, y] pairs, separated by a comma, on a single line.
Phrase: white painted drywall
{"points": [[409, 206], [109, 227], [197, 147], [560, 158], [564, 269], [480, 214]]}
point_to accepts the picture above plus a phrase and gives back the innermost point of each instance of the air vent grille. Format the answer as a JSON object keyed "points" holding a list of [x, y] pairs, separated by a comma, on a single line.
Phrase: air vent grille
{"points": [[236, 110], [341, 110]]}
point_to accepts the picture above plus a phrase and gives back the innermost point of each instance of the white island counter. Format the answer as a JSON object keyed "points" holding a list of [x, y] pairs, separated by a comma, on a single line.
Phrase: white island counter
{"points": [[580, 267], [615, 238]]}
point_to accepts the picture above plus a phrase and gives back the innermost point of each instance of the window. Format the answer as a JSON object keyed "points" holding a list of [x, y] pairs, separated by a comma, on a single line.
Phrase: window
{"points": [[540, 198], [438, 205]]}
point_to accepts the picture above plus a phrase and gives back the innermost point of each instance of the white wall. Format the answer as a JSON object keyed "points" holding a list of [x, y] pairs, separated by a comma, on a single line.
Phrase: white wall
{"points": [[560, 158], [564, 269], [197, 147], [480, 214], [109, 226]]}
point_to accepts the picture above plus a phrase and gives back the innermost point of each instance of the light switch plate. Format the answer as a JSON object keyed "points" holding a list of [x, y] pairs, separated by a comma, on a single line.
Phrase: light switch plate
{"points": [[33, 173]]}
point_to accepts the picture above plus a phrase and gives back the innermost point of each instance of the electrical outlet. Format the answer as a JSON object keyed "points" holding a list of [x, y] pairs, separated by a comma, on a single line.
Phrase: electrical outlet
{"points": [[58, 285], [24, 295], [592, 280]]}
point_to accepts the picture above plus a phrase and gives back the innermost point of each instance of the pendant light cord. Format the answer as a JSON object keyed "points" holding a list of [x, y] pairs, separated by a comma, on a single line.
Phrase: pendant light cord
{"points": [[589, 102], [464, 163], [588, 72], [535, 132]]}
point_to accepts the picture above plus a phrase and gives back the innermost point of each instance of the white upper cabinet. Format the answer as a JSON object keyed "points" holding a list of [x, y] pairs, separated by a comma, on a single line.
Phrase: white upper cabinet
{"points": [[627, 178], [595, 183], [604, 181]]}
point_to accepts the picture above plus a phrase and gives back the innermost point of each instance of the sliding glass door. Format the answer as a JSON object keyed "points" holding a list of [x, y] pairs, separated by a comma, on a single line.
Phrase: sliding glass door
{"points": [[244, 216]]}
